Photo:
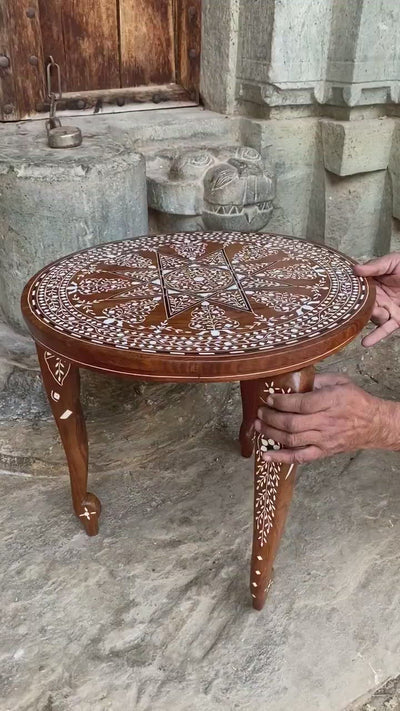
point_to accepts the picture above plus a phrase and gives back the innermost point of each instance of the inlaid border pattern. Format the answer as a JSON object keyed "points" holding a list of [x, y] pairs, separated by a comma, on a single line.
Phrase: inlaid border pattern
{"points": [[105, 294]]}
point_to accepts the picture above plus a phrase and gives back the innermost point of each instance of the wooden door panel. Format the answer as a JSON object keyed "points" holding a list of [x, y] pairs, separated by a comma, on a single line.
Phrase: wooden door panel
{"points": [[22, 83], [124, 53], [147, 42], [188, 44], [82, 36], [52, 32]]}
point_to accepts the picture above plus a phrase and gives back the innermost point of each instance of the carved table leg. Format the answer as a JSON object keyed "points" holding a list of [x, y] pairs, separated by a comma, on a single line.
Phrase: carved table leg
{"points": [[250, 399], [62, 384], [273, 489]]}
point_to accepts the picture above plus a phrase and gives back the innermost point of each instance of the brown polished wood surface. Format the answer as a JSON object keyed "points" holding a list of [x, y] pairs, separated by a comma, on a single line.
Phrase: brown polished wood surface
{"points": [[198, 306], [195, 307]]}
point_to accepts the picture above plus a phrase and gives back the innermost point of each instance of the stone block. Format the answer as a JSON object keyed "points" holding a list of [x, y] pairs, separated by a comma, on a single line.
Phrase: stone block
{"points": [[352, 147], [377, 47], [53, 202], [357, 213], [290, 149], [316, 52], [394, 169], [219, 51]]}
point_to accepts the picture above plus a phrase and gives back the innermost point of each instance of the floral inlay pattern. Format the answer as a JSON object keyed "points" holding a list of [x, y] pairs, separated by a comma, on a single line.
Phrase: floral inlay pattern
{"points": [[267, 477], [199, 293], [58, 367]]}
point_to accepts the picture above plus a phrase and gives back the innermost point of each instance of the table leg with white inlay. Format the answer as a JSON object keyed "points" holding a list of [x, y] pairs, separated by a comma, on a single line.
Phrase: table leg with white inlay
{"points": [[62, 384], [273, 483]]}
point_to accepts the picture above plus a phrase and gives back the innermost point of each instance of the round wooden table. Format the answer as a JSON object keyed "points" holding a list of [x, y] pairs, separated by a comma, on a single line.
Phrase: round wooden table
{"points": [[195, 307]]}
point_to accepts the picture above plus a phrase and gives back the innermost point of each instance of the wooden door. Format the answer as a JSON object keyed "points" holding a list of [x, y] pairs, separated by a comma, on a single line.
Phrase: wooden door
{"points": [[111, 53]]}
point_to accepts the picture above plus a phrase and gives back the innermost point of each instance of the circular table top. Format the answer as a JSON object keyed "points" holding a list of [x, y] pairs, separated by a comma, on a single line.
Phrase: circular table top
{"points": [[198, 306]]}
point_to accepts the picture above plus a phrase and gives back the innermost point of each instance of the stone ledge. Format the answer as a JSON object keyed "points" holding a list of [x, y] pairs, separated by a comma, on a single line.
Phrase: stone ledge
{"points": [[352, 147], [304, 93]]}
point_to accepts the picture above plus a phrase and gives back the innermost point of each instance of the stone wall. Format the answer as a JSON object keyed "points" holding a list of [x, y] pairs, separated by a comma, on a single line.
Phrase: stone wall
{"points": [[318, 83]]}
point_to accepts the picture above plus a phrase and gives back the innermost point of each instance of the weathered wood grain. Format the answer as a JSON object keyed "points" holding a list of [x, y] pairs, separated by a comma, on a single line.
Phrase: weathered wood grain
{"points": [[8, 100], [151, 47], [52, 31], [147, 42], [188, 45], [22, 82], [82, 36], [158, 95]]}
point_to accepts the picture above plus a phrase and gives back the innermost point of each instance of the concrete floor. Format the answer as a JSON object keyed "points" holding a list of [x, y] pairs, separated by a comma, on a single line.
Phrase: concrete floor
{"points": [[154, 614]]}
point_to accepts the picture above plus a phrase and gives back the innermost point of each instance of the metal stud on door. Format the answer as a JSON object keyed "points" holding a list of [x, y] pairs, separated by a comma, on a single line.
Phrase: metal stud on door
{"points": [[59, 136]]}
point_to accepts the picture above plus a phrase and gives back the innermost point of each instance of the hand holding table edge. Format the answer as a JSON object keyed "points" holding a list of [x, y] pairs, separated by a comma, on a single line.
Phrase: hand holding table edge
{"points": [[341, 417]]}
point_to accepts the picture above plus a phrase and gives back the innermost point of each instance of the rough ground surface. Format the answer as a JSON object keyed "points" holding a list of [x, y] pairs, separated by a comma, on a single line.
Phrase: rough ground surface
{"points": [[386, 698], [154, 614]]}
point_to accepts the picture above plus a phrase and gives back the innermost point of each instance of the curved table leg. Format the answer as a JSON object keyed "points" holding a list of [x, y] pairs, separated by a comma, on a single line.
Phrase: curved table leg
{"points": [[273, 489], [62, 385], [250, 397]]}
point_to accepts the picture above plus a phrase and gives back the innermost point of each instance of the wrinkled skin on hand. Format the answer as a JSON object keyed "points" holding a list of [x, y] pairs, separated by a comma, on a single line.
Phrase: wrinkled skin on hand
{"points": [[385, 272], [336, 417]]}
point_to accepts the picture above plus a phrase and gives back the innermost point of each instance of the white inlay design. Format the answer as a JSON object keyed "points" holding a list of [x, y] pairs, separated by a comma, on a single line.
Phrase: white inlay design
{"points": [[197, 293], [58, 367], [66, 414], [87, 514], [289, 471], [267, 477]]}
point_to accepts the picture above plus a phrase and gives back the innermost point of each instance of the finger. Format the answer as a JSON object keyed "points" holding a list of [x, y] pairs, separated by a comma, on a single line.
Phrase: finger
{"points": [[380, 333], [323, 380], [295, 456], [378, 267], [304, 403], [390, 280], [287, 422], [380, 315], [288, 439]]}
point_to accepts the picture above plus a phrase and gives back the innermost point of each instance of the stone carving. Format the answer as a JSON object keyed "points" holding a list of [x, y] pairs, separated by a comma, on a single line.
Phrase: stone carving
{"points": [[230, 188]]}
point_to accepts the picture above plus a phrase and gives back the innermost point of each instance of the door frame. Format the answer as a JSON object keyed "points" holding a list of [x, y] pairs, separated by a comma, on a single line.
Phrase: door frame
{"points": [[23, 92]]}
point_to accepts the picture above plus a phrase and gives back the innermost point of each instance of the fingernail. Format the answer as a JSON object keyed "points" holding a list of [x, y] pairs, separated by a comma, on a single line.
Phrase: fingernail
{"points": [[267, 458], [270, 400], [260, 413], [257, 425]]}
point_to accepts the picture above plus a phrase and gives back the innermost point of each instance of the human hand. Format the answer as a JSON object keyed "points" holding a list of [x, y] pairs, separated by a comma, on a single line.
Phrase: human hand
{"points": [[386, 314], [336, 417]]}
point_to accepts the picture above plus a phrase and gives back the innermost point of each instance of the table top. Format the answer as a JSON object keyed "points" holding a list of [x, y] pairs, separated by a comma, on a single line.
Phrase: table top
{"points": [[198, 306]]}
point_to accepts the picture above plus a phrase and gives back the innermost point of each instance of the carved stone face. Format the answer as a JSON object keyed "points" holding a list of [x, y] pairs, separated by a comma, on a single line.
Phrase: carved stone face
{"points": [[238, 195], [230, 187], [191, 164]]}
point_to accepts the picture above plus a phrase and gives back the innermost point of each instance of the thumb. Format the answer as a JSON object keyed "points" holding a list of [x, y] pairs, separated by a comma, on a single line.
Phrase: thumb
{"points": [[378, 267], [323, 380]]}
